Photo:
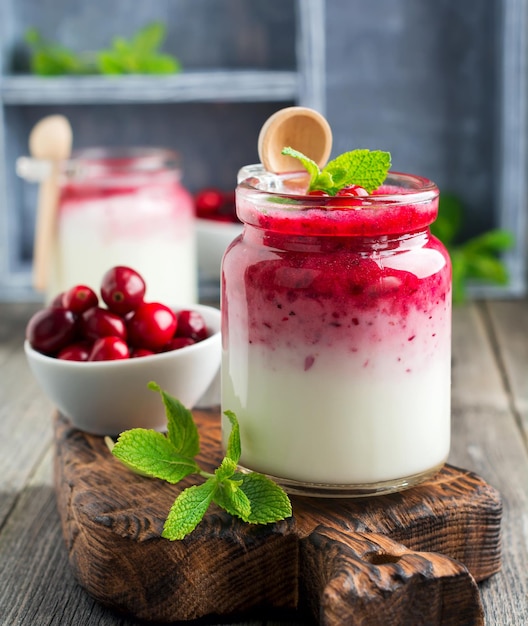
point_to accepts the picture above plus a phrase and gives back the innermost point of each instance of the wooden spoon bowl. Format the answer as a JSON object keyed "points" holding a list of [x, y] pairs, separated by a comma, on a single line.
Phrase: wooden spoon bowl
{"points": [[300, 128]]}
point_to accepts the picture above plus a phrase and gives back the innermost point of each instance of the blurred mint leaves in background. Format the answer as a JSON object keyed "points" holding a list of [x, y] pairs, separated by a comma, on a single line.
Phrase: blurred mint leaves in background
{"points": [[138, 55], [476, 259]]}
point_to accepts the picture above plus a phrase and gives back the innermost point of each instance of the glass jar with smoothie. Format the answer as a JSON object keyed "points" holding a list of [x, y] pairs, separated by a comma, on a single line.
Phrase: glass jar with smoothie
{"points": [[337, 335], [125, 207]]}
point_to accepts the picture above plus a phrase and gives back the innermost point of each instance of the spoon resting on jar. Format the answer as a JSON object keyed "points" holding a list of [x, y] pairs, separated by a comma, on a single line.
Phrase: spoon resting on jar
{"points": [[301, 128]]}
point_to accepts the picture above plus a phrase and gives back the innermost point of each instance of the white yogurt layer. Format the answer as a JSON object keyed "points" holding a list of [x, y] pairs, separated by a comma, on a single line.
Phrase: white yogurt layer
{"points": [[140, 230], [339, 419]]}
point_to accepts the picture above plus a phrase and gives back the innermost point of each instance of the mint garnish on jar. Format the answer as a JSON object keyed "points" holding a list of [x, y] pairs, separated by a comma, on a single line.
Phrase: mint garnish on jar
{"points": [[356, 171]]}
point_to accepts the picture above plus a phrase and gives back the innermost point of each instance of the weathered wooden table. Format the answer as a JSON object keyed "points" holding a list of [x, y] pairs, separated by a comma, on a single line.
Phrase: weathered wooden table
{"points": [[490, 437]]}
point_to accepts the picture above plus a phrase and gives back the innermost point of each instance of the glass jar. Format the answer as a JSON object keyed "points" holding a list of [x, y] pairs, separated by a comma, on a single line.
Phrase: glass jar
{"points": [[125, 207], [336, 335]]}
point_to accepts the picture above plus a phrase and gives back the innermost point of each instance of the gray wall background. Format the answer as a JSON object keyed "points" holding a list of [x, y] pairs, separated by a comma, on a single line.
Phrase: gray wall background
{"points": [[419, 78]]}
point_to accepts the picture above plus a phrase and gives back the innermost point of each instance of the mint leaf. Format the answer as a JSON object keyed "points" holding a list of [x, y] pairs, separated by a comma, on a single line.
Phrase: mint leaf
{"points": [[449, 220], [227, 468], [188, 510], [365, 168], [149, 38], [486, 267], [138, 55], [269, 502], [491, 242], [107, 63], [324, 182], [459, 273], [151, 453], [234, 449], [477, 258], [251, 497], [230, 497], [182, 431], [311, 166], [158, 64]]}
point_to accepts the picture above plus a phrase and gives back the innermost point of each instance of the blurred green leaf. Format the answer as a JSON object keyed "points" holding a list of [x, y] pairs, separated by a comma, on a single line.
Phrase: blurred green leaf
{"points": [[449, 220], [485, 267], [108, 64], [121, 45], [477, 258], [458, 276], [492, 241], [137, 55], [32, 37], [149, 38], [50, 59], [159, 64]]}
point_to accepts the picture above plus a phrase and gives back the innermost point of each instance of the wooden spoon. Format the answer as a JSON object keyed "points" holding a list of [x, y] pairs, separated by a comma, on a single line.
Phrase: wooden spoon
{"points": [[300, 128], [50, 140]]}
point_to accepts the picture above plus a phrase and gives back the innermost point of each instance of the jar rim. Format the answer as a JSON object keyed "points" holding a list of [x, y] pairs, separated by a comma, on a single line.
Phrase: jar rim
{"points": [[404, 203], [399, 187], [95, 161]]}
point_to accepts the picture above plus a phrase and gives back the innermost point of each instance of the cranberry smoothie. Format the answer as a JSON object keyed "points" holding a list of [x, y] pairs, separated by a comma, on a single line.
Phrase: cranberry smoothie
{"points": [[336, 335]]}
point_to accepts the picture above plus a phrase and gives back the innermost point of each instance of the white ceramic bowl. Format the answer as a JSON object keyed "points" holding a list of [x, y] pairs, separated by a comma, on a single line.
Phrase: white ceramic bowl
{"points": [[212, 238], [108, 397]]}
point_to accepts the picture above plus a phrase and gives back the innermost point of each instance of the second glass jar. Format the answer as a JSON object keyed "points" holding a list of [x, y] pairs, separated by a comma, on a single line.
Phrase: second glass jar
{"points": [[125, 207]]}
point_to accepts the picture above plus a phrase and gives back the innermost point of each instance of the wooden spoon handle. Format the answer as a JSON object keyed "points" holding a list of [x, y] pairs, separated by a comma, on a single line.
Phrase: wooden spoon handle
{"points": [[45, 229], [50, 140]]}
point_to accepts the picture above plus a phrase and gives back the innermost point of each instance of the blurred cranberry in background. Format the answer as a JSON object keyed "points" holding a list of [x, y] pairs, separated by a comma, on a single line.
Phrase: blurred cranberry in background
{"points": [[215, 204]]}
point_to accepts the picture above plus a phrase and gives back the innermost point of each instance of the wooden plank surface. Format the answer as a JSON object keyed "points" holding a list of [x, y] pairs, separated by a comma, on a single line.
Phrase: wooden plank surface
{"points": [[487, 439], [489, 393], [25, 429], [509, 324]]}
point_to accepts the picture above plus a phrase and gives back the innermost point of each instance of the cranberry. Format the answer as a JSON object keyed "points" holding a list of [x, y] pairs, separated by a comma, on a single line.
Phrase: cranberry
{"points": [[73, 326], [353, 190], [191, 324], [138, 352], [98, 322], [57, 302], [213, 204], [151, 326], [109, 349], [79, 298], [223, 218], [79, 351], [208, 201], [122, 289], [176, 343], [51, 329]]}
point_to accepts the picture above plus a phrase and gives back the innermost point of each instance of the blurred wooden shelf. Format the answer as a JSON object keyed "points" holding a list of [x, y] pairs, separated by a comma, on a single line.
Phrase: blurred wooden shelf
{"points": [[199, 86]]}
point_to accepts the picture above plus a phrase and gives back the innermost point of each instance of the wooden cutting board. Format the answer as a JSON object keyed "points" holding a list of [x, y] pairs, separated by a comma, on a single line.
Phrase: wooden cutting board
{"points": [[409, 558]]}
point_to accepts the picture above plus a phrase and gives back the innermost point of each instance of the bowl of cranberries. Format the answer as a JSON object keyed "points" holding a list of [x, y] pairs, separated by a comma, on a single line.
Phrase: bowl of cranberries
{"points": [[93, 354]]}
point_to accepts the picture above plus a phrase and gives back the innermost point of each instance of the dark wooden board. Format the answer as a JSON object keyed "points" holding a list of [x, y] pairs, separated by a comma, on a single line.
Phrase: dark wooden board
{"points": [[413, 557]]}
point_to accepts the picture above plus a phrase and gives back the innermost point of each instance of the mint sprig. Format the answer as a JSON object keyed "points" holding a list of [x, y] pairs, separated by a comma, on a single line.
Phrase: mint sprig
{"points": [[477, 259], [252, 497], [362, 167], [139, 54]]}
